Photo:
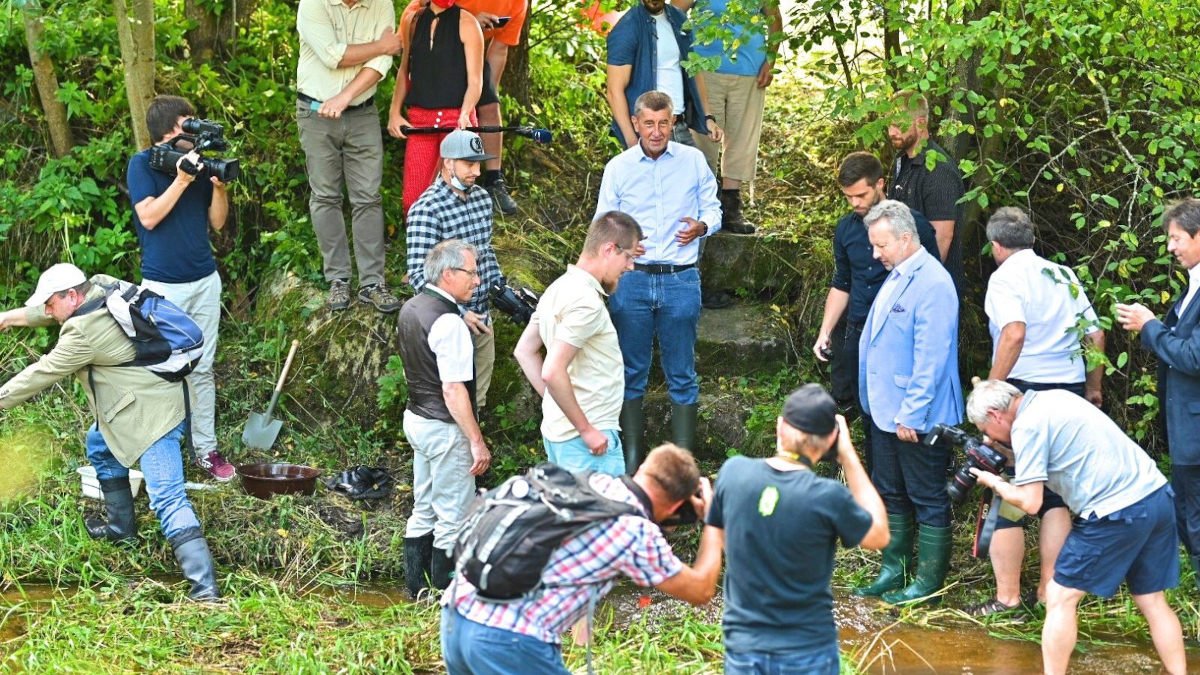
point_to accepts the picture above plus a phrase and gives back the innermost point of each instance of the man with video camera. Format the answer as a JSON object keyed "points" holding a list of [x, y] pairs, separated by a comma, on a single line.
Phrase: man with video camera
{"points": [[1124, 525], [172, 212], [781, 524]]}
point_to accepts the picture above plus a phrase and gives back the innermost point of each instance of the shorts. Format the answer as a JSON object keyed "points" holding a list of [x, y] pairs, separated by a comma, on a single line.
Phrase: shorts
{"points": [[1050, 500], [489, 94], [1138, 545], [574, 455]]}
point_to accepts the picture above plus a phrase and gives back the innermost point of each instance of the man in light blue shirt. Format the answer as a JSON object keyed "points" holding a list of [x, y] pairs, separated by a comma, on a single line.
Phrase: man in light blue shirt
{"points": [[671, 193]]}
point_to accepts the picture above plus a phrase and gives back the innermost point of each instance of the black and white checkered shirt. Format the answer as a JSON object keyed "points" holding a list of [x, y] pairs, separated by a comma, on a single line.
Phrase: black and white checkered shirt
{"points": [[440, 214]]}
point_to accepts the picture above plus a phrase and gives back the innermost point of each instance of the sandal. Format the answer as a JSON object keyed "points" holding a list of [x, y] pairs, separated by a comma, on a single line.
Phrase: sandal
{"points": [[991, 607]]}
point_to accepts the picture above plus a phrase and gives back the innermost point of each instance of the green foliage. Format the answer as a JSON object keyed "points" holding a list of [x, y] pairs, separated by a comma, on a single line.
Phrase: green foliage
{"points": [[393, 388]]}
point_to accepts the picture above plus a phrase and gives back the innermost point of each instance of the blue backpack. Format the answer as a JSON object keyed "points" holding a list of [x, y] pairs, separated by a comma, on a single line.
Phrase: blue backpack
{"points": [[168, 342]]}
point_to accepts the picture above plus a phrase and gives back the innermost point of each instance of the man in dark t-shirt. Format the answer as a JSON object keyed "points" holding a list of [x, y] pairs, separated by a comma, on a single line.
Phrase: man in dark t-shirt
{"points": [[781, 524], [935, 192]]}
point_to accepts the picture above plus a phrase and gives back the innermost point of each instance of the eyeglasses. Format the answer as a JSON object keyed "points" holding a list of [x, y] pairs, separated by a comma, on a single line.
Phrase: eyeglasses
{"points": [[474, 272], [626, 252]]}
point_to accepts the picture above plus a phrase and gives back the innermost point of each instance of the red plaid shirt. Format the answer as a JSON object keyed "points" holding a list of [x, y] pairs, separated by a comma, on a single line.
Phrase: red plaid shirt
{"points": [[585, 564]]}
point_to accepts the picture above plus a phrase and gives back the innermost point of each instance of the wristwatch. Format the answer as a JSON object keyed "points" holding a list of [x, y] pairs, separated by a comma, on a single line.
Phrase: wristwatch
{"points": [[711, 118]]}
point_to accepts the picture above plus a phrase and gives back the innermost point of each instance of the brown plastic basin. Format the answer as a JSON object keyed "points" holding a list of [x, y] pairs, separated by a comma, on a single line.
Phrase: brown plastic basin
{"points": [[266, 480]]}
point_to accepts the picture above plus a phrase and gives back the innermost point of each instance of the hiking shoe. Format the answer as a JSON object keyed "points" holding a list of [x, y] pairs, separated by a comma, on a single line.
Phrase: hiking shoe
{"points": [[500, 197], [339, 295], [379, 296], [221, 470]]}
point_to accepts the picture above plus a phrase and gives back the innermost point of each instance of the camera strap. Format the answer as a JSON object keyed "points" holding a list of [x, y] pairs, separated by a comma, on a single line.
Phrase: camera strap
{"points": [[985, 526]]}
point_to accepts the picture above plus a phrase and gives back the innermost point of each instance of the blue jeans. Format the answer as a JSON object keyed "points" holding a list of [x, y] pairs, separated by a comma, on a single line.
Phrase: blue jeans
{"points": [[911, 478], [663, 306], [574, 454], [470, 648], [824, 661], [162, 466]]}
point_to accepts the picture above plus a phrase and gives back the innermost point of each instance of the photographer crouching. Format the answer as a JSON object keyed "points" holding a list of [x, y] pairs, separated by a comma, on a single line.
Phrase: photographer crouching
{"points": [[1124, 524], [781, 523]]}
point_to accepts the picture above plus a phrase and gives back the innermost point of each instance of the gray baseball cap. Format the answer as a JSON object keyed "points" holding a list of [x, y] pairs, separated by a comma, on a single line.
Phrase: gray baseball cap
{"points": [[467, 145]]}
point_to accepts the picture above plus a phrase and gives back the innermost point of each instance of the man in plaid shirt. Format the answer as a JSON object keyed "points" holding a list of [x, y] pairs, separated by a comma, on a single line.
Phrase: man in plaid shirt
{"points": [[481, 637], [454, 207]]}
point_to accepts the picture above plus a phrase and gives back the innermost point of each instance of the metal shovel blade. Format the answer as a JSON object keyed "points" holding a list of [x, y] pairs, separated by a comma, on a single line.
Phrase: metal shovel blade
{"points": [[261, 431]]}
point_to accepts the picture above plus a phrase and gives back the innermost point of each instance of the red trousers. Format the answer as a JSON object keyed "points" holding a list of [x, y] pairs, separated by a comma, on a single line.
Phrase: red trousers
{"points": [[422, 153]]}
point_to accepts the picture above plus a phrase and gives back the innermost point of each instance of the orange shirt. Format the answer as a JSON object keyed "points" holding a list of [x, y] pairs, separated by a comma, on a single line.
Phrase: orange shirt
{"points": [[509, 34]]}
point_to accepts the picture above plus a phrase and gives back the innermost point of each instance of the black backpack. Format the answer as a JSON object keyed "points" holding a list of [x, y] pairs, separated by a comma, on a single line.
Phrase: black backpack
{"points": [[510, 531]]}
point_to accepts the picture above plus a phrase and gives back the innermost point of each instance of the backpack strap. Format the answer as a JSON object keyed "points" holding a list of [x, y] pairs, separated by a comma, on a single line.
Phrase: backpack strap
{"points": [[643, 498]]}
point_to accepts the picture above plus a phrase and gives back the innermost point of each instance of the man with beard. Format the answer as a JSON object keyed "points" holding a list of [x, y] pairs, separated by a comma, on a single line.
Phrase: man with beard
{"points": [[581, 378], [934, 192], [857, 277]]}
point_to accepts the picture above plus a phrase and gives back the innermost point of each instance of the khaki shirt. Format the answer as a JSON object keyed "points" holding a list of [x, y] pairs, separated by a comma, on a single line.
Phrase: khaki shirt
{"points": [[572, 310], [327, 28], [133, 406]]}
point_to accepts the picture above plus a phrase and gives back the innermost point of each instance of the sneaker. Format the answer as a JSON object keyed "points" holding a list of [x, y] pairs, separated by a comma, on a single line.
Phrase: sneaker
{"points": [[379, 296], [339, 295], [500, 197], [217, 467]]}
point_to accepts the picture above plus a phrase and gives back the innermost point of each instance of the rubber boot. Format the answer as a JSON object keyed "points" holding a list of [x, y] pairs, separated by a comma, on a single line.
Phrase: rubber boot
{"points": [[196, 563], [441, 568], [418, 554], [118, 504], [633, 433], [683, 425], [933, 561], [732, 219], [897, 557]]}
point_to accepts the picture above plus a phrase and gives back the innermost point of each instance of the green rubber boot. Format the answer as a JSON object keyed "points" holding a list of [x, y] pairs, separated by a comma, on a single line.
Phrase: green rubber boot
{"points": [[933, 561], [633, 433], [683, 425], [897, 557]]}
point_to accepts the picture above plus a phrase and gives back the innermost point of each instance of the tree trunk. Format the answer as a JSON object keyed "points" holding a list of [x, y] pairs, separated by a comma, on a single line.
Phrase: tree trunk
{"points": [[893, 18], [215, 33], [136, 33], [61, 140], [515, 80]]}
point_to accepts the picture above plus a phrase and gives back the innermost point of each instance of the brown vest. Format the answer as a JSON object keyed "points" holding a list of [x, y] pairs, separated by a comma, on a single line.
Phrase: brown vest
{"points": [[420, 363]]}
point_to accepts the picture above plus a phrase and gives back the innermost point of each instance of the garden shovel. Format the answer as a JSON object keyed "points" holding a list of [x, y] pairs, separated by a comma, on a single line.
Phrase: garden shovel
{"points": [[261, 431]]}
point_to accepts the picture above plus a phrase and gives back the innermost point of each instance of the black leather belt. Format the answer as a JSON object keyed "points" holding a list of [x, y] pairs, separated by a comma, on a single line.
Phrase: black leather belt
{"points": [[661, 269], [305, 98]]}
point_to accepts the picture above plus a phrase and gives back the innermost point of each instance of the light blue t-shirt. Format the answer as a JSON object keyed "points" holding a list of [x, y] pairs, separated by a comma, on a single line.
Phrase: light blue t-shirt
{"points": [[1081, 454], [751, 51]]}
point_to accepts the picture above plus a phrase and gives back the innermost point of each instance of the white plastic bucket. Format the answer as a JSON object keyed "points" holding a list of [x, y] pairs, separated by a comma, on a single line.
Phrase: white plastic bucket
{"points": [[91, 484]]}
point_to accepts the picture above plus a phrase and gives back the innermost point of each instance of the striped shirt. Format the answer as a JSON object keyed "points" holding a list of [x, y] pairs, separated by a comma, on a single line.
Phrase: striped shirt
{"points": [[585, 564], [440, 214]]}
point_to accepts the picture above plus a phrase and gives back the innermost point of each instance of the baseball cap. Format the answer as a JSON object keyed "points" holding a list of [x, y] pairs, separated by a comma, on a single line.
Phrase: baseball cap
{"points": [[56, 278], [461, 144], [811, 409]]}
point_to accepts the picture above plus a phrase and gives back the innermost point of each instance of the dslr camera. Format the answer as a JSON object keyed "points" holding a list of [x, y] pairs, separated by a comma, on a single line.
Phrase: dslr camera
{"points": [[515, 303], [978, 456], [200, 136]]}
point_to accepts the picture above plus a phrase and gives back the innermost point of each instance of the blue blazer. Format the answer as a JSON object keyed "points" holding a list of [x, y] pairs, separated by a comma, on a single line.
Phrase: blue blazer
{"points": [[1176, 341], [908, 364]]}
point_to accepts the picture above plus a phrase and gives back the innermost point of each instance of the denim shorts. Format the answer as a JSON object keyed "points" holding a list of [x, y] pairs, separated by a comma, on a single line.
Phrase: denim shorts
{"points": [[1137, 544], [823, 661], [574, 454]]}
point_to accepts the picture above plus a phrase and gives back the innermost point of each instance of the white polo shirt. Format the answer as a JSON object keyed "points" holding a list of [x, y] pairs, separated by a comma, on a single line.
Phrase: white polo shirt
{"points": [[1049, 300]]}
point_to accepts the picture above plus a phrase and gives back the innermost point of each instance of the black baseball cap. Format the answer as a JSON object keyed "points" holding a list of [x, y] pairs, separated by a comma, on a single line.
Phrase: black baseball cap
{"points": [[811, 409]]}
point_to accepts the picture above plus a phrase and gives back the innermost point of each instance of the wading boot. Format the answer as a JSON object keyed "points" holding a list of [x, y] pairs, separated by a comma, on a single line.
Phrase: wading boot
{"points": [[441, 568], [897, 557], [196, 563], [418, 553], [633, 431], [732, 219], [933, 561], [683, 425], [118, 504]]}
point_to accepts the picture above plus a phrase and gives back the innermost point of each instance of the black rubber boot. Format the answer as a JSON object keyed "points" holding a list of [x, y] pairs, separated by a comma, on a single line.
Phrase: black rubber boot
{"points": [[683, 425], [118, 504], [441, 568], [633, 432], [732, 219], [418, 553], [196, 563], [897, 557]]}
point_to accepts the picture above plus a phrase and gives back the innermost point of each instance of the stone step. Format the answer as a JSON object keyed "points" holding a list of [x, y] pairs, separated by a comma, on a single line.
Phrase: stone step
{"points": [[744, 338]]}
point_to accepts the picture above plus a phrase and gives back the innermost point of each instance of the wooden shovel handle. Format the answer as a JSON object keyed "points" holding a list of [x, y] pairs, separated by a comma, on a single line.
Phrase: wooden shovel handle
{"points": [[286, 366]]}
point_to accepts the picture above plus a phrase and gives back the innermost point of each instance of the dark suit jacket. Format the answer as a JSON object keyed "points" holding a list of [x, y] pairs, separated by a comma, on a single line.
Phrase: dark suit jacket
{"points": [[1176, 341]]}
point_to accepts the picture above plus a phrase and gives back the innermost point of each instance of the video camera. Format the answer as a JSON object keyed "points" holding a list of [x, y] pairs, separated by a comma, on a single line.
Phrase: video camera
{"points": [[517, 304], [203, 136], [978, 456]]}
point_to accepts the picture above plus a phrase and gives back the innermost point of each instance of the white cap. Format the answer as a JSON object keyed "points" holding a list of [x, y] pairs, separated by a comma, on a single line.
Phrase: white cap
{"points": [[57, 278]]}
